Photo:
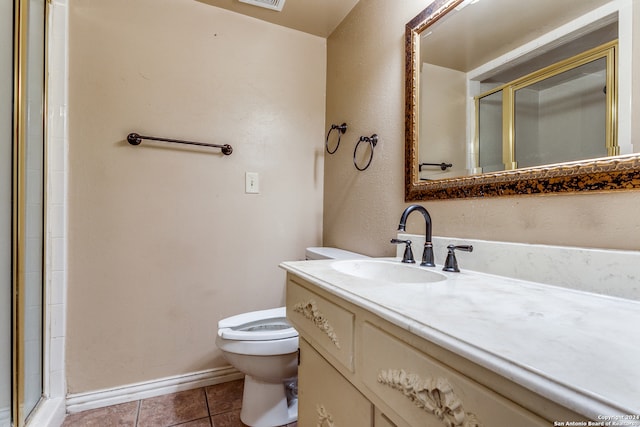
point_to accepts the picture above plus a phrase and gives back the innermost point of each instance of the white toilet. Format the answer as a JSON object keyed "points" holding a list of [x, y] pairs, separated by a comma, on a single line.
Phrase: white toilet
{"points": [[264, 346]]}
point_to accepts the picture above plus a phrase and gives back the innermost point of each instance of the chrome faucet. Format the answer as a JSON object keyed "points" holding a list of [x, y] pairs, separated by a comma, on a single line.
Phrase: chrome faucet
{"points": [[427, 253]]}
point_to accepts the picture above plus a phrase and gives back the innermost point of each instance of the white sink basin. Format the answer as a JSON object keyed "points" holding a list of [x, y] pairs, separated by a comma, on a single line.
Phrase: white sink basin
{"points": [[388, 271]]}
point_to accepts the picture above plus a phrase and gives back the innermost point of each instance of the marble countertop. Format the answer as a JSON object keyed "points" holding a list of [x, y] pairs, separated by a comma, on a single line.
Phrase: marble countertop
{"points": [[579, 349]]}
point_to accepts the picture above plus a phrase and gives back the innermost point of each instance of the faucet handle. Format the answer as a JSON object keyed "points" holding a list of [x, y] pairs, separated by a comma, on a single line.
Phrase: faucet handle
{"points": [[408, 253], [451, 263]]}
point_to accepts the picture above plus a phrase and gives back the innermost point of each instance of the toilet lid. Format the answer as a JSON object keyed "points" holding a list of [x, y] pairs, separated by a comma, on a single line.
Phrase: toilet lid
{"points": [[259, 333], [261, 325]]}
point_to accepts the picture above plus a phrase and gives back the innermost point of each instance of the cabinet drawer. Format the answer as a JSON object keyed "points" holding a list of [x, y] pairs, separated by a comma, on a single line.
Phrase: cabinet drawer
{"points": [[325, 397], [424, 392], [321, 322]]}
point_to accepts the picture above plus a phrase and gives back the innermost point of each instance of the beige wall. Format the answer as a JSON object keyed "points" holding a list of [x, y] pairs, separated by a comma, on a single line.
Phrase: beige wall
{"points": [[163, 242], [365, 84]]}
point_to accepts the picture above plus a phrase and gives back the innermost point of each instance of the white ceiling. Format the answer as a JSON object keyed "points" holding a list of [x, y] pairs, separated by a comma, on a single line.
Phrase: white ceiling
{"points": [[318, 17], [482, 31]]}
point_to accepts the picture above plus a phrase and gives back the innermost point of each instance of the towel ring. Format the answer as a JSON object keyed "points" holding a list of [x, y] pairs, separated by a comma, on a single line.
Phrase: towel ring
{"points": [[341, 129], [373, 141]]}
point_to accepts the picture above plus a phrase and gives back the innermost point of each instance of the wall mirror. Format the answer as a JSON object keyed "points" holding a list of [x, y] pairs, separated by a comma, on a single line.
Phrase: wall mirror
{"points": [[501, 101]]}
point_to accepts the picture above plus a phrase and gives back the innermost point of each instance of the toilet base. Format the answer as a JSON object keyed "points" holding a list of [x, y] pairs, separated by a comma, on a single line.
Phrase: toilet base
{"points": [[265, 404]]}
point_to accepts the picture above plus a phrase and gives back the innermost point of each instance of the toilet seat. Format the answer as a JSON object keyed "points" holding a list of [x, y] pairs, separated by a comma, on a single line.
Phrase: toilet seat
{"points": [[262, 325]]}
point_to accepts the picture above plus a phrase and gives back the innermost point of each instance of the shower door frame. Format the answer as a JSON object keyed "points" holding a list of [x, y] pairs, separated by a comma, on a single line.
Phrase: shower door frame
{"points": [[19, 206]]}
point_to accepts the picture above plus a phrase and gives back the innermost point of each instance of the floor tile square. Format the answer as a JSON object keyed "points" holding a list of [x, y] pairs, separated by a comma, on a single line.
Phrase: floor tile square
{"points": [[225, 397], [172, 409], [202, 422], [227, 419]]}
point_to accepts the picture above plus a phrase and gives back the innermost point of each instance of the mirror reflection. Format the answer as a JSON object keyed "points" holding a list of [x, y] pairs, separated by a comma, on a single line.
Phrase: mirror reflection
{"points": [[525, 113], [491, 89], [559, 114]]}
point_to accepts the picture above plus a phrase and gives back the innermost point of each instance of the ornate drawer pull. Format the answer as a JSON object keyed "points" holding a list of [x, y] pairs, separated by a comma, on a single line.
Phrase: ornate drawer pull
{"points": [[433, 395], [324, 418], [310, 311]]}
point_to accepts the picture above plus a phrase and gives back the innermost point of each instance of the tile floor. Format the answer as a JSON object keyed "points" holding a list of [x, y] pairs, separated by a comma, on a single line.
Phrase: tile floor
{"points": [[212, 406]]}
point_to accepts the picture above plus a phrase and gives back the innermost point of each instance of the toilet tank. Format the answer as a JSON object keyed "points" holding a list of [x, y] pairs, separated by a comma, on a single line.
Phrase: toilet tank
{"points": [[331, 253]]}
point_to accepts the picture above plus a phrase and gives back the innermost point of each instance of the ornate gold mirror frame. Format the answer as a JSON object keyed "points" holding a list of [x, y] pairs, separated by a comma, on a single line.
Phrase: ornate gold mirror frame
{"points": [[602, 174]]}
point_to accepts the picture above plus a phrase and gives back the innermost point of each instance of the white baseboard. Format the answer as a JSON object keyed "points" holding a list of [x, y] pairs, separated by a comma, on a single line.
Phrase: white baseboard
{"points": [[129, 393]]}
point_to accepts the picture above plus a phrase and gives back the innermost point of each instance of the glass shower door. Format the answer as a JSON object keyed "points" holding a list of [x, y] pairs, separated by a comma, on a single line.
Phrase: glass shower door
{"points": [[6, 113], [21, 207], [30, 213]]}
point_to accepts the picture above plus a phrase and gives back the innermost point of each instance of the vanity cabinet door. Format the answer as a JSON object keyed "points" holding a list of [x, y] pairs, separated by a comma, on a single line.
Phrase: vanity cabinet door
{"points": [[328, 326], [380, 420], [326, 398], [421, 391]]}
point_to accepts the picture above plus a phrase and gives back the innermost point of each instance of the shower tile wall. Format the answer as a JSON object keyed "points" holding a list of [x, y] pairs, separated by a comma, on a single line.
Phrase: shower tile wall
{"points": [[56, 200]]}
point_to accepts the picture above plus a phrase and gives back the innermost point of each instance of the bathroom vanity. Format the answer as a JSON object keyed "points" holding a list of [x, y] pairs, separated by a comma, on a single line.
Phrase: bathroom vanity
{"points": [[385, 344]]}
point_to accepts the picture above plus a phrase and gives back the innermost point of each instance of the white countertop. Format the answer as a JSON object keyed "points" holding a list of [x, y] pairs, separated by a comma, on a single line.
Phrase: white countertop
{"points": [[579, 349]]}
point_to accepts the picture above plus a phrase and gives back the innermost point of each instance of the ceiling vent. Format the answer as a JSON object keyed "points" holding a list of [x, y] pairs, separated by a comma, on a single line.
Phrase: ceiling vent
{"points": [[267, 4]]}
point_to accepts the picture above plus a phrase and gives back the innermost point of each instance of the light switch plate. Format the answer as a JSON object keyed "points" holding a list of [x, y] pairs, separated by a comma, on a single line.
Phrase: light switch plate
{"points": [[251, 183]]}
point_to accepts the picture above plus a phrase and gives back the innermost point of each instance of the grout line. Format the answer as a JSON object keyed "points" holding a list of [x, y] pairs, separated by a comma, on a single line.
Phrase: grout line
{"points": [[138, 412], [206, 401]]}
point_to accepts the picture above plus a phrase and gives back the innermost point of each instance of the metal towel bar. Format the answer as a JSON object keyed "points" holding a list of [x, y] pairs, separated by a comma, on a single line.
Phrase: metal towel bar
{"points": [[442, 165], [136, 139]]}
